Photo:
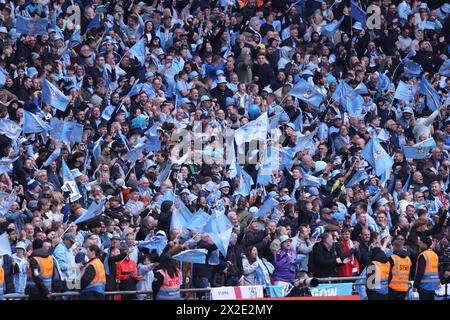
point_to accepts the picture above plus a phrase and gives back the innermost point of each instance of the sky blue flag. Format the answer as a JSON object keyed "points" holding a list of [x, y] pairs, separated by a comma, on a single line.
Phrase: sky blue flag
{"points": [[214, 258], [331, 28], [138, 51], [5, 247], [192, 256], [405, 91], [305, 142], [357, 177], [357, 13], [361, 88], [3, 76], [33, 124], [96, 151], [6, 201], [135, 89], [10, 129], [53, 156], [157, 243], [411, 53], [72, 131], [94, 210], [445, 68], [304, 91], [419, 150], [287, 153], [245, 182], [198, 222], [360, 285], [348, 98], [407, 183], [133, 155], [298, 123], [163, 175], [167, 196], [412, 69], [428, 25], [433, 98], [265, 208], [95, 23], [75, 39], [219, 229], [383, 82], [181, 215], [378, 158], [312, 181], [66, 173], [267, 168], [31, 26], [253, 130]]}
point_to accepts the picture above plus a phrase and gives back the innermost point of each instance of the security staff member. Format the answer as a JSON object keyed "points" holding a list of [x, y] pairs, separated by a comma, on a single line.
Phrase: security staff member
{"points": [[2, 280], [166, 285], [426, 281], [41, 273], [377, 275], [93, 278], [399, 272]]}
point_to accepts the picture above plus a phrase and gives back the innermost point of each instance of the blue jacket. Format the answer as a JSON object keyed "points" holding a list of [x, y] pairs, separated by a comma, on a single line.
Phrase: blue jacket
{"points": [[65, 259]]}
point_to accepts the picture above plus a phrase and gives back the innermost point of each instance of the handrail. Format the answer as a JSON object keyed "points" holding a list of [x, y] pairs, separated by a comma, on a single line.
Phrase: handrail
{"points": [[108, 293]]}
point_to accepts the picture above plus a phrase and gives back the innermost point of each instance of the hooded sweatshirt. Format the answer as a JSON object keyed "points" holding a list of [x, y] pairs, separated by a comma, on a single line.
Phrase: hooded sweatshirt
{"points": [[165, 216]]}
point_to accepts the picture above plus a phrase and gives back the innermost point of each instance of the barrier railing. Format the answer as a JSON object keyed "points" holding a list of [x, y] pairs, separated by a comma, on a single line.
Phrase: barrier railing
{"points": [[16, 296]]}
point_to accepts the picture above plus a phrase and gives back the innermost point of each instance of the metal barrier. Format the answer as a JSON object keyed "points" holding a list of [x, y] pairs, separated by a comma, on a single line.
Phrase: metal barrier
{"points": [[17, 296]]}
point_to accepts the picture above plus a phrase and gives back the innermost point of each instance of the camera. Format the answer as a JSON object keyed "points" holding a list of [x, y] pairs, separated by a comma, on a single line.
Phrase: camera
{"points": [[309, 282]]}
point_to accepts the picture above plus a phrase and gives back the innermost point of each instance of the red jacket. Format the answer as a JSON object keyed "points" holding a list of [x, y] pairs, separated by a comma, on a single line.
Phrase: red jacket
{"points": [[348, 269], [126, 269]]}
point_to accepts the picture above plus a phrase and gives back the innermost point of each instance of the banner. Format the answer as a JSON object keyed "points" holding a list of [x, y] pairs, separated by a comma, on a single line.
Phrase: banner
{"points": [[332, 290], [237, 293]]}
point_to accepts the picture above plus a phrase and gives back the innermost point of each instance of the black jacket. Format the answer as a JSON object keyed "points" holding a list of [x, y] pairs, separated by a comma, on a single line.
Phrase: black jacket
{"points": [[8, 271], [40, 289], [111, 282], [323, 261], [204, 270], [165, 217]]}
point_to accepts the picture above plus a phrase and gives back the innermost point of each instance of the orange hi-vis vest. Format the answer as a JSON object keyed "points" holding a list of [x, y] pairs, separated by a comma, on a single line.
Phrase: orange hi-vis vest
{"points": [[400, 273], [2, 281], [430, 279], [381, 277], [45, 266], [99, 281], [170, 289]]}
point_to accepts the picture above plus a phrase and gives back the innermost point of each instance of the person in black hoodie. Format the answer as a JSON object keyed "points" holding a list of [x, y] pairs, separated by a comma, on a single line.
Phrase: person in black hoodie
{"points": [[235, 271], [202, 273], [36, 288], [379, 265], [400, 269], [165, 217], [324, 257]]}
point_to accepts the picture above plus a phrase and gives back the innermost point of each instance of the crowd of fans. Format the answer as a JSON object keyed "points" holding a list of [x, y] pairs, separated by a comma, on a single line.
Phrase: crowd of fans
{"points": [[208, 68]]}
